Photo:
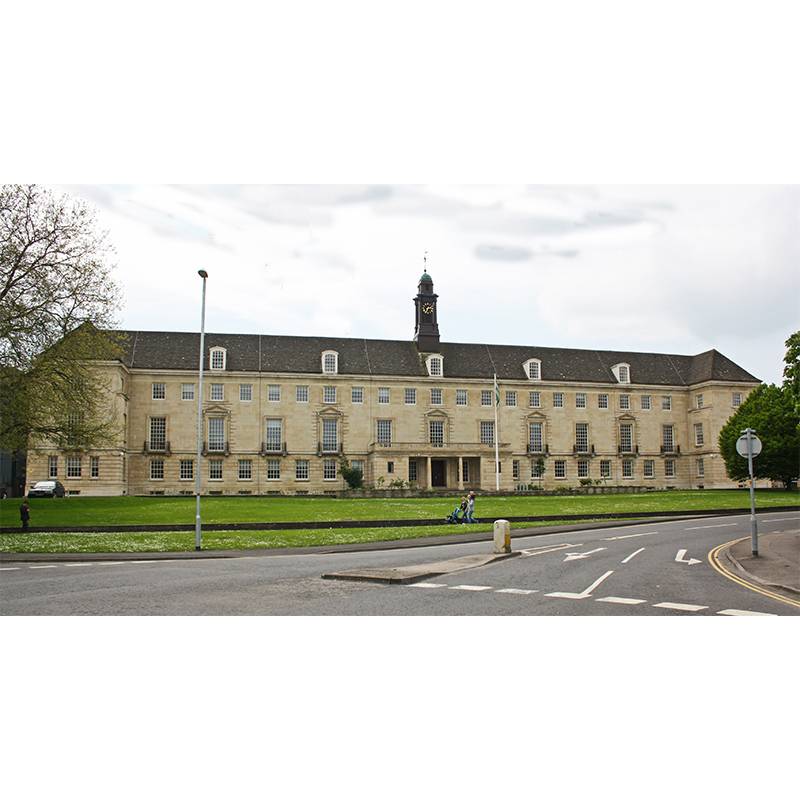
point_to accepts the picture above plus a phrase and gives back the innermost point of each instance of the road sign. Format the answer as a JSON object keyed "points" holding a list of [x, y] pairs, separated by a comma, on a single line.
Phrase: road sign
{"points": [[748, 445]]}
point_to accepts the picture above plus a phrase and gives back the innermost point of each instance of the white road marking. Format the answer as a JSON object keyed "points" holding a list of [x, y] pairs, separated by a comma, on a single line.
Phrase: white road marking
{"points": [[625, 600], [735, 612], [583, 594], [680, 606], [43, 566], [703, 527], [546, 549], [681, 558], [630, 536], [6, 569], [80, 564], [626, 560], [468, 588], [428, 585], [575, 556], [517, 591]]}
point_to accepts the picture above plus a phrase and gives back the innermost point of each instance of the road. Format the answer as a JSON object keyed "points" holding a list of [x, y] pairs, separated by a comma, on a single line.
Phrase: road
{"points": [[652, 569]]}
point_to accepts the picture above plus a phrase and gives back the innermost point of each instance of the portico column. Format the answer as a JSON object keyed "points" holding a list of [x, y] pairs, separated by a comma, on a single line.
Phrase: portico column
{"points": [[460, 473], [430, 474]]}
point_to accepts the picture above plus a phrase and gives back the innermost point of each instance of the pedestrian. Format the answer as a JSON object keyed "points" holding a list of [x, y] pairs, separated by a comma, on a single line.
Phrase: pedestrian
{"points": [[463, 509], [470, 506], [25, 514]]}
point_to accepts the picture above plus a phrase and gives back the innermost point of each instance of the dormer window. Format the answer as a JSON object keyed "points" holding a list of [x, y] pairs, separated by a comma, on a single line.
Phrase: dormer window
{"points": [[435, 366], [622, 372], [330, 362], [218, 358], [533, 369]]}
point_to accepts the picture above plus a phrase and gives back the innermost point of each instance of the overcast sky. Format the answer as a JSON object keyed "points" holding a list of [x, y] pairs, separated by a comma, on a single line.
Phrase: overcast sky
{"points": [[665, 268]]}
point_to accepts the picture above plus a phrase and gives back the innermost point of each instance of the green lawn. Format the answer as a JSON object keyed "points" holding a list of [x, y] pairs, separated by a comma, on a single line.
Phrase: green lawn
{"points": [[46, 512]]}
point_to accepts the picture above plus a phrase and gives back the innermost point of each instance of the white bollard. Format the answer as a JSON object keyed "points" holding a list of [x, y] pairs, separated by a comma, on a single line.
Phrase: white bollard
{"points": [[502, 536]]}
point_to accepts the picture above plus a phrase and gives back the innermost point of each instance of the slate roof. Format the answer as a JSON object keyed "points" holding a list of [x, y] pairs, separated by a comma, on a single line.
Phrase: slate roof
{"points": [[158, 350]]}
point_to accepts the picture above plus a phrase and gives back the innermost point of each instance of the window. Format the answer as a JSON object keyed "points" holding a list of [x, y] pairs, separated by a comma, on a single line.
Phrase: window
{"points": [[159, 391], [701, 468], [511, 399], [436, 432], [649, 469], [487, 432], [627, 468], [158, 433], [436, 397], [583, 469], [274, 393], [625, 402], [666, 403], [461, 397], [667, 439], [622, 372], [486, 397], [273, 470], [187, 391], [328, 394], [669, 469], [357, 464], [580, 400], [273, 436], [602, 401], [245, 470], [53, 467], [383, 396], [357, 394], [390, 467], [301, 394], [737, 399], [330, 361], [94, 465], [626, 438], [435, 366], [582, 437], [698, 401], [384, 431], [535, 399], [301, 470], [215, 469], [187, 469], [605, 469], [535, 437], [560, 469], [329, 470], [533, 369], [645, 402], [216, 434], [157, 470], [464, 471], [558, 400], [74, 467], [411, 397], [698, 434], [217, 391], [413, 471], [246, 392], [218, 355], [330, 435]]}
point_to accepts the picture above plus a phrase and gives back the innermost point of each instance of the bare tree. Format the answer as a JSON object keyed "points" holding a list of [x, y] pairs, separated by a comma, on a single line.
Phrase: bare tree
{"points": [[58, 303]]}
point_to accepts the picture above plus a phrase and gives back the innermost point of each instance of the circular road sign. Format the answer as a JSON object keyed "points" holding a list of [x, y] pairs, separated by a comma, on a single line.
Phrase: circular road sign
{"points": [[742, 445]]}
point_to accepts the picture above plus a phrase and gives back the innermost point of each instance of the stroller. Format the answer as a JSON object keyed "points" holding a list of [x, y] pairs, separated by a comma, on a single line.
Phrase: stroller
{"points": [[455, 517]]}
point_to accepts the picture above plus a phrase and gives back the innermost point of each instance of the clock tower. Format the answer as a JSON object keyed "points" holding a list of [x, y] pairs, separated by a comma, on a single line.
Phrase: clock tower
{"points": [[426, 332]]}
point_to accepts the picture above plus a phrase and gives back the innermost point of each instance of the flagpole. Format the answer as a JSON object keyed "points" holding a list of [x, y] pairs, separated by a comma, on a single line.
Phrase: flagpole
{"points": [[496, 436]]}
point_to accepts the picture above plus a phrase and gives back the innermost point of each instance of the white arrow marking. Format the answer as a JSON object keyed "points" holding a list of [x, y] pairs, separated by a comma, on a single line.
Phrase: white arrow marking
{"points": [[585, 593], [573, 556], [536, 551], [680, 558]]}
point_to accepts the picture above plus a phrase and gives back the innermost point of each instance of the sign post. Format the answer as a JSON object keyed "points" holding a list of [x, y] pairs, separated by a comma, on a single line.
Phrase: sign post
{"points": [[748, 445]]}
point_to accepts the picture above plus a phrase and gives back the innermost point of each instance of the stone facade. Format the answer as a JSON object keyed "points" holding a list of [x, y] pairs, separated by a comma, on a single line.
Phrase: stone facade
{"points": [[279, 412]]}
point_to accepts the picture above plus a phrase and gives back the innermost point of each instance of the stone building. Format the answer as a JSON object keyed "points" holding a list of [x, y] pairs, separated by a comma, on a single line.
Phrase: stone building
{"points": [[278, 413]]}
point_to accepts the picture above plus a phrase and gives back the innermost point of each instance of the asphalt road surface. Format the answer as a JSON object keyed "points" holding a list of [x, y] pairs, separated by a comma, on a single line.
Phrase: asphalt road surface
{"points": [[652, 569]]}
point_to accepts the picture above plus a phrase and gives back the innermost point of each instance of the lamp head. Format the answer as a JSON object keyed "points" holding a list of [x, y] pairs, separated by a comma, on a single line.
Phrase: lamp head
{"points": [[202, 273]]}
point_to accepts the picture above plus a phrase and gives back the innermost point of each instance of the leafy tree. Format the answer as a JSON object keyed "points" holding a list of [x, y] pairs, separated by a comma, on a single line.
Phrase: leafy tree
{"points": [[56, 296], [791, 372], [770, 411], [352, 475]]}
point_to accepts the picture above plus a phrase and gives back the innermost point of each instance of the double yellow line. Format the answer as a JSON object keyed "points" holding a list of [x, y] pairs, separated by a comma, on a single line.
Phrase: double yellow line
{"points": [[714, 560]]}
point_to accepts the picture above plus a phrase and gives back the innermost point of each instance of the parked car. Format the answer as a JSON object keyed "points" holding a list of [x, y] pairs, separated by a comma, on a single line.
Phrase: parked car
{"points": [[47, 489]]}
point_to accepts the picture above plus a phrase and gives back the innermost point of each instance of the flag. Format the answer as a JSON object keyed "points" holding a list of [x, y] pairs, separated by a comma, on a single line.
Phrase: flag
{"points": [[496, 393]]}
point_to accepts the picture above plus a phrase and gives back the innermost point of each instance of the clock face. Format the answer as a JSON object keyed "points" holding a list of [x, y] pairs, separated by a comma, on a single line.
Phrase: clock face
{"points": [[427, 308]]}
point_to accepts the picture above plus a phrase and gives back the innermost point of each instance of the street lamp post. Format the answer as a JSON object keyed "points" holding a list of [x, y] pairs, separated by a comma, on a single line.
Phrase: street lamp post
{"points": [[198, 525]]}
